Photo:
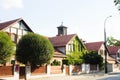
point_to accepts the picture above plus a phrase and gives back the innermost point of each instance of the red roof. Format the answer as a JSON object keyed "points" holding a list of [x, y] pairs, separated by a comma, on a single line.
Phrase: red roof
{"points": [[94, 46], [11, 22], [113, 50], [61, 40], [8, 23]]}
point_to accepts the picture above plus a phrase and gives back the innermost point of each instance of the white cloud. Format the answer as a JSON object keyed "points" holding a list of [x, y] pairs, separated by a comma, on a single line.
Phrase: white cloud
{"points": [[12, 4]]}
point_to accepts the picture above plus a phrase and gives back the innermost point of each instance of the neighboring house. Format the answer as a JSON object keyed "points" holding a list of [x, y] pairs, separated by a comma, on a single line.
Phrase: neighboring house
{"points": [[65, 43], [114, 51], [99, 47], [15, 29]]}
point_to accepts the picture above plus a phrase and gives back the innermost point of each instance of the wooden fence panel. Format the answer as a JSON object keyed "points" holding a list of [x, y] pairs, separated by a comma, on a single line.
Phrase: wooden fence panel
{"points": [[93, 67], [67, 70], [22, 72]]}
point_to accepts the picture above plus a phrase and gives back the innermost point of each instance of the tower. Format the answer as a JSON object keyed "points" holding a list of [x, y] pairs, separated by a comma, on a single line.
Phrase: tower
{"points": [[62, 30]]}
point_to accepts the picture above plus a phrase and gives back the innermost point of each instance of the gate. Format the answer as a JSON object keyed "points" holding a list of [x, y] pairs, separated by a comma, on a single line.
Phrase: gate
{"points": [[22, 72], [67, 70]]}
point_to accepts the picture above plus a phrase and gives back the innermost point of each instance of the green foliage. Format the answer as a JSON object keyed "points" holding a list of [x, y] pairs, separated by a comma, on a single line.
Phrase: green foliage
{"points": [[55, 63], [35, 49], [65, 61], [112, 41], [6, 47], [75, 55], [75, 58], [78, 46], [117, 2], [93, 58]]}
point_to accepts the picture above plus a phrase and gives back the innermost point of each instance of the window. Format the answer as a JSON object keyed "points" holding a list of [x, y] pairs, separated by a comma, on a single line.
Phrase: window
{"points": [[13, 37], [101, 51], [19, 36], [70, 47]]}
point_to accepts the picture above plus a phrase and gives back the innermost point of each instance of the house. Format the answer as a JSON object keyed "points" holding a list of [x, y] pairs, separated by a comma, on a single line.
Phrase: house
{"points": [[65, 43], [114, 51], [99, 47], [16, 29]]}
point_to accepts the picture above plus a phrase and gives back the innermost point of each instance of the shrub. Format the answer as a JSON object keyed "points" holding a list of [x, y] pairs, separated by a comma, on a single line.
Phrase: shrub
{"points": [[55, 63]]}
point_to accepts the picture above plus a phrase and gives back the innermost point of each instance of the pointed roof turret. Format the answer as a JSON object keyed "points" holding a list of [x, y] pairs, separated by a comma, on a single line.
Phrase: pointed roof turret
{"points": [[62, 30]]}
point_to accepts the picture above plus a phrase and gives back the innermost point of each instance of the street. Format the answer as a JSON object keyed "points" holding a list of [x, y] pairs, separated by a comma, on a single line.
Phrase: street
{"points": [[111, 77], [94, 76]]}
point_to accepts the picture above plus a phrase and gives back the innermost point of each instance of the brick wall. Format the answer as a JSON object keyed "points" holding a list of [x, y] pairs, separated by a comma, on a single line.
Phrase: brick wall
{"points": [[6, 70], [39, 70], [56, 70]]}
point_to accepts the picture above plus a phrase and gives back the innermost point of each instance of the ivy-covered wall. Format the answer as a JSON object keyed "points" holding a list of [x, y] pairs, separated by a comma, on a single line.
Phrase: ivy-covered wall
{"points": [[75, 45]]}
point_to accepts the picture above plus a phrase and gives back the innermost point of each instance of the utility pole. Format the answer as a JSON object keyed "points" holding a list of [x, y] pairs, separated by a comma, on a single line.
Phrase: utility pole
{"points": [[105, 51]]}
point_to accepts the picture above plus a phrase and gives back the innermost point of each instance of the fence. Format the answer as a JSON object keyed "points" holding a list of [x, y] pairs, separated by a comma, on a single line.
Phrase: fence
{"points": [[6, 70], [20, 72], [39, 70], [9, 72]]}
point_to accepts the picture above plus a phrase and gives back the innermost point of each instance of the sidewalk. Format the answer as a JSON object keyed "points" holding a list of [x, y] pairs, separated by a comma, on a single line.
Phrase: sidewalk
{"points": [[91, 76]]}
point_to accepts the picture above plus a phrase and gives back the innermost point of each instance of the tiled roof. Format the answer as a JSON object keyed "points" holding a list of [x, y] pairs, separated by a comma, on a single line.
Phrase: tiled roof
{"points": [[8, 23], [95, 46], [113, 50], [61, 40]]}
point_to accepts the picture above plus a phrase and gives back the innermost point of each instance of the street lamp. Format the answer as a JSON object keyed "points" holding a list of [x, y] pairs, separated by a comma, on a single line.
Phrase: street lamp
{"points": [[105, 51]]}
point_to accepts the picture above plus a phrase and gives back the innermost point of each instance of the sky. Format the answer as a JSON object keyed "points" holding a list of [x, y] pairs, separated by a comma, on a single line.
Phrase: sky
{"points": [[86, 18]]}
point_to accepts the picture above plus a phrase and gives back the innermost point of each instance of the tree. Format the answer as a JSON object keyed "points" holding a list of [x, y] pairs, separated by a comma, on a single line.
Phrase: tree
{"points": [[6, 48], [93, 58], [112, 42], [117, 3], [34, 49]]}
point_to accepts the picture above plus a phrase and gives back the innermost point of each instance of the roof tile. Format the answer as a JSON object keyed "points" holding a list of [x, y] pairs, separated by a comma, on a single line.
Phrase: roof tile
{"points": [[94, 45], [61, 40], [113, 50], [8, 23]]}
